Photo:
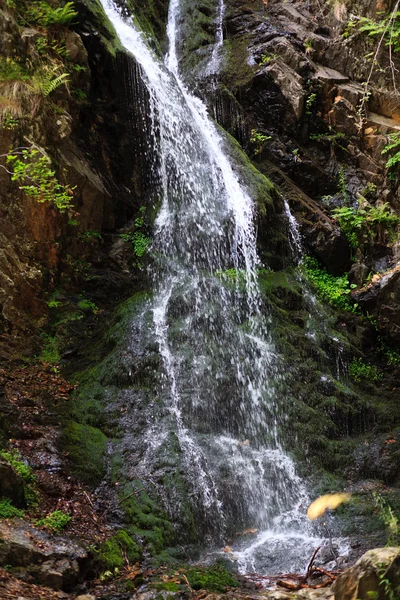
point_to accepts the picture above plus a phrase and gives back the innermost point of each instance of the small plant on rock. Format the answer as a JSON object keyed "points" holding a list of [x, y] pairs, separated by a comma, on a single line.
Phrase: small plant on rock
{"points": [[258, 139], [55, 521]]}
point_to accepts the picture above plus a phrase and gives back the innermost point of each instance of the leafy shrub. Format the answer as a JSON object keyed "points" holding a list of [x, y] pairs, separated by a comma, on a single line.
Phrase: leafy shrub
{"points": [[8, 511], [56, 521], [364, 222], [258, 139], [33, 170], [334, 290], [388, 27], [360, 371], [139, 240]]}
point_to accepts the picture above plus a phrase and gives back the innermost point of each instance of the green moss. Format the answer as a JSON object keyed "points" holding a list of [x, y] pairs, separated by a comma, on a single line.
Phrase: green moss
{"points": [[85, 446], [236, 71], [168, 586], [112, 552], [213, 579], [55, 521], [106, 29], [150, 17], [23, 470]]}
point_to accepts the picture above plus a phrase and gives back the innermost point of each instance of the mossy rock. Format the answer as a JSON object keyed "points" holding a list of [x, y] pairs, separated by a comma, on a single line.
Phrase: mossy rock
{"points": [[85, 446]]}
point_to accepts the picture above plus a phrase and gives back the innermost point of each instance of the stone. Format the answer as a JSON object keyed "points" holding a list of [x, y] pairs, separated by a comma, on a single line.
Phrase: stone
{"points": [[365, 577], [328, 75], [290, 84], [343, 117], [358, 273], [11, 485], [53, 560], [76, 50]]}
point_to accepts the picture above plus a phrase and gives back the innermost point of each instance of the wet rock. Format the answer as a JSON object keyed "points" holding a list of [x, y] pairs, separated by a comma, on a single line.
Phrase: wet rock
{"points": [[290, 84], [11, 485], [52, 560], [382, 300], [364, 579]]}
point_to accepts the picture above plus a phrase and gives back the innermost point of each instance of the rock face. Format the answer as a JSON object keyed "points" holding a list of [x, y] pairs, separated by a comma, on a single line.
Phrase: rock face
{"points": [[11, 485], [382, 300], [51, 560]]}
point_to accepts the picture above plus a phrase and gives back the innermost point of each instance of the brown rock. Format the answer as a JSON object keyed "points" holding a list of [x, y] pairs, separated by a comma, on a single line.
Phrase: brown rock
{"points": [[365, 577]]}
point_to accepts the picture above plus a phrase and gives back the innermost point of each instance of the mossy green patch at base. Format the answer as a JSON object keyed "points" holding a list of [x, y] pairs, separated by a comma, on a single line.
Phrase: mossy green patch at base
{"points": [[213, 579], [114, 551], [85, 446]]}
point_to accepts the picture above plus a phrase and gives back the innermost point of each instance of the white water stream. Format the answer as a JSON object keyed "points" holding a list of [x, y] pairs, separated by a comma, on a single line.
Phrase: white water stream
{"points": [[220, 367]]}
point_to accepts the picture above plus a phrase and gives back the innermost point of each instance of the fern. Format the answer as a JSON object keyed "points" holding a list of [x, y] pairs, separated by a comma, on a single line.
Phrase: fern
{"points": [[45, 15], [45, 81], [394, 145]]}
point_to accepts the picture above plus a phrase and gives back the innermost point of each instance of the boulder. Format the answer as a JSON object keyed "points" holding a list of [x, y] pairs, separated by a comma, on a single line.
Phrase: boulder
{"points": [[11, 485], [375, 575], [52, 560]]}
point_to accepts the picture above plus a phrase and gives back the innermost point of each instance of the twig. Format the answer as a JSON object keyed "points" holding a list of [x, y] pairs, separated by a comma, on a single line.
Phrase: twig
{"points": [[188, 584], [133, 494], [310, 564]]}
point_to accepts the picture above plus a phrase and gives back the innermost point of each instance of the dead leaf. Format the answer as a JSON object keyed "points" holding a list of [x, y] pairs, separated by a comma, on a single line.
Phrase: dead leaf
{"points": [[321, 504]]}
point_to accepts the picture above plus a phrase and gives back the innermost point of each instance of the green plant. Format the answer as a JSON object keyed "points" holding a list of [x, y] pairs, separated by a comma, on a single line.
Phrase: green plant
{"points": [[335, 290], [86, 304], [258, 139], [54, 303], [55, 521], [308, 45], [8, 511], [389, 519], [90, 235], [32, 168], [50, 352], [46, 80], [45, 15], [360, 371], [364, 222], [393, 148], [8, 122], [310, 101], [267, 58], [79, 94], [139, 240], [14, 459]]}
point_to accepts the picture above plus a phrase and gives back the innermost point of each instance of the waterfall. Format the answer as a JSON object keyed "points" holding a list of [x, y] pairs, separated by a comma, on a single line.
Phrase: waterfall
{"points": [[221, 374]]}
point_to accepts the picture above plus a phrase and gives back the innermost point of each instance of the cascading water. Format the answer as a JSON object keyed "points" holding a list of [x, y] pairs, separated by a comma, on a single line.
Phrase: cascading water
{"points": [[220, 369]]}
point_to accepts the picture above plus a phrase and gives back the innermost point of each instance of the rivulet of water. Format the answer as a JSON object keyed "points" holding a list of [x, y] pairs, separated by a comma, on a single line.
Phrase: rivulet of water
{"points": [[220, 370]]}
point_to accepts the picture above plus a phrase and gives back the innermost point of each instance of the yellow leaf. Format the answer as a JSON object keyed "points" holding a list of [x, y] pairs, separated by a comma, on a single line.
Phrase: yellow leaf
{"points": [[331, 501]]}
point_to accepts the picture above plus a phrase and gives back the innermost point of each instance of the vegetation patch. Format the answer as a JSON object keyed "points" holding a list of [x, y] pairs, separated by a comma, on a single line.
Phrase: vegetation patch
{"points": [[8, 511], [360, 371], [55, 521], [85, 446], [213, 579], [114, 552], [334, 290]]}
